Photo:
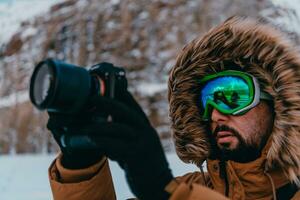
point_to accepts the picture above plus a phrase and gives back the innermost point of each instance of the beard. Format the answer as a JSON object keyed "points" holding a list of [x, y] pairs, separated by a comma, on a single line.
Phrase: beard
{"points": [[244, 151]]}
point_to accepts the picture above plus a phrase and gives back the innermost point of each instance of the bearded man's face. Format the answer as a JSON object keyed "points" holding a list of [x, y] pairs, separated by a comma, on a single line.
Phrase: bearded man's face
{"points": [[241, 138]]}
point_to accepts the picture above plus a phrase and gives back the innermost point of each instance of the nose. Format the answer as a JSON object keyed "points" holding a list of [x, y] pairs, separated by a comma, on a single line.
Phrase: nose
{"points": [[217, 116]]}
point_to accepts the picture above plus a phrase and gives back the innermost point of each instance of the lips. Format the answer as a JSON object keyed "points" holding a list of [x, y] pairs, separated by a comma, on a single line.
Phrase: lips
{"points": [[224, 137], [222, 134]]}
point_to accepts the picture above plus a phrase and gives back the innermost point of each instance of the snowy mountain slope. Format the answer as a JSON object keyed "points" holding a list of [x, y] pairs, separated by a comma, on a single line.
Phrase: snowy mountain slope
{"points": [[141, 36], [14, 12]]}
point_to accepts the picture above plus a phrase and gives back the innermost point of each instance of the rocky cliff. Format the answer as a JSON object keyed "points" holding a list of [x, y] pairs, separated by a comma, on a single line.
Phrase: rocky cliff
{"points": [[142, 36]]}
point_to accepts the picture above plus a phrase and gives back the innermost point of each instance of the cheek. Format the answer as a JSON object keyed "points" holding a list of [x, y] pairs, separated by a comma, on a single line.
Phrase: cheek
{"points": [[213, 126], [250, 131], [254, 128]]}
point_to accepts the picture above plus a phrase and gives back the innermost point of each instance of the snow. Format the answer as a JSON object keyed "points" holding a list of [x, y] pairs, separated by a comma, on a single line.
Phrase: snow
{"points": [[14, 12], [30, 31], [289, 14], [25, 177], [149, 88], [14, 98]]}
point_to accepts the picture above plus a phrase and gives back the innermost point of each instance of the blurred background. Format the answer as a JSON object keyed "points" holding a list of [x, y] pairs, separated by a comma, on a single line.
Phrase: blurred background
{"points": [[142, 36]]}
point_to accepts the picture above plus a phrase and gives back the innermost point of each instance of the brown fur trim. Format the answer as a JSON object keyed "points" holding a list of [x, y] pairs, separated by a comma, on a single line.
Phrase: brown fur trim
{"points": [[258, 49]]}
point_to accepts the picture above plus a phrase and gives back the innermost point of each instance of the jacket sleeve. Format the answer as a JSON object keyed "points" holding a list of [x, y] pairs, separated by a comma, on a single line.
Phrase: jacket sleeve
{"points": [[193, 186], [93, 183]]}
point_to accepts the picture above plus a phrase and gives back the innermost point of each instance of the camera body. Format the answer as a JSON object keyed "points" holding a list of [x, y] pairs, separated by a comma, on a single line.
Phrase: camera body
{"points": [[66, 88]]}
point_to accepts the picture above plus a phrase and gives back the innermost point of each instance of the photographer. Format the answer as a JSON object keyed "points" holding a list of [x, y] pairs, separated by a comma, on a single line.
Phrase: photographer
{"points": [[234, 103]]}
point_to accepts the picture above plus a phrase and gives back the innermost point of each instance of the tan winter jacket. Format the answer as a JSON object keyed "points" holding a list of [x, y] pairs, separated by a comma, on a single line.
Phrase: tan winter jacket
{"points": [[246, 181], [95, 183], [258, 49]]}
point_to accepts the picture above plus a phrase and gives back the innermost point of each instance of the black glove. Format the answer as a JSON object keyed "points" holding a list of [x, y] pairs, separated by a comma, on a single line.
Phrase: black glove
{"points": [[77, 149], [131, 141]]}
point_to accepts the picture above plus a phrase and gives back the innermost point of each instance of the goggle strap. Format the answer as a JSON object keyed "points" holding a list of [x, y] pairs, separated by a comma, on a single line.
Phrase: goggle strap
{"points": [[265, 96]]}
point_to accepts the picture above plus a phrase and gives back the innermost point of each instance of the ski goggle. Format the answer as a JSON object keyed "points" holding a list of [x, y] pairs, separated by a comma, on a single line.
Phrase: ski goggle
{"points": [[230, 92]]}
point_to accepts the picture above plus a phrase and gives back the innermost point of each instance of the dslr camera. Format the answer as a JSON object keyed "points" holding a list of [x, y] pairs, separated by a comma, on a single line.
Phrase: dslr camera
{"points": [[65, 88]]}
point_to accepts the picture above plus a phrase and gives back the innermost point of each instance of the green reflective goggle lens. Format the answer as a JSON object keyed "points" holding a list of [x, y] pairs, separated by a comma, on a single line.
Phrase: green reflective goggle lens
{"points": [[230, 92]]}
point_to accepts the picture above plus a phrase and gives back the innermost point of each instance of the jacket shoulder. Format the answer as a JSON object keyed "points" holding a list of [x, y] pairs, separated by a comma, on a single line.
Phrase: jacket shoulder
{"points": [[195, 178], [296, 196]]}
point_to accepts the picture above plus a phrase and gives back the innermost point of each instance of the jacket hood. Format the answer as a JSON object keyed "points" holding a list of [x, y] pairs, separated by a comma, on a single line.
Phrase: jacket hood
{"points": [[259, 49]]}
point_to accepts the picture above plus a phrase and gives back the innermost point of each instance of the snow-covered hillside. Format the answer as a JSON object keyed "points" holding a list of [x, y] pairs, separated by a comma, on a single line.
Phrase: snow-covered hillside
{"points": [[143, 36], [14, 12]]}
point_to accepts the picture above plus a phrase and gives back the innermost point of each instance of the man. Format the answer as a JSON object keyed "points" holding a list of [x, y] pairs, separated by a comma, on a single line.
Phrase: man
{"points": [[234, 103]]}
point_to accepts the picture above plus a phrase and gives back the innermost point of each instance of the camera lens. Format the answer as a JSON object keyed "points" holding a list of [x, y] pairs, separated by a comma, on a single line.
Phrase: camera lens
{"points": [[60, 87], [42, 83]]}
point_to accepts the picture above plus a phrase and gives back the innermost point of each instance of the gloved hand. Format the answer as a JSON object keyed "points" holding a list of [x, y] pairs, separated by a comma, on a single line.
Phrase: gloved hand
{"points": [[131, 141], [77, 149]]}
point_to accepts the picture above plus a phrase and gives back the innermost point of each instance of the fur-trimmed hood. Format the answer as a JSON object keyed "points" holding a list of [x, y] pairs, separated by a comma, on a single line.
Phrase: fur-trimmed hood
{"points": [[260, 50]]}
